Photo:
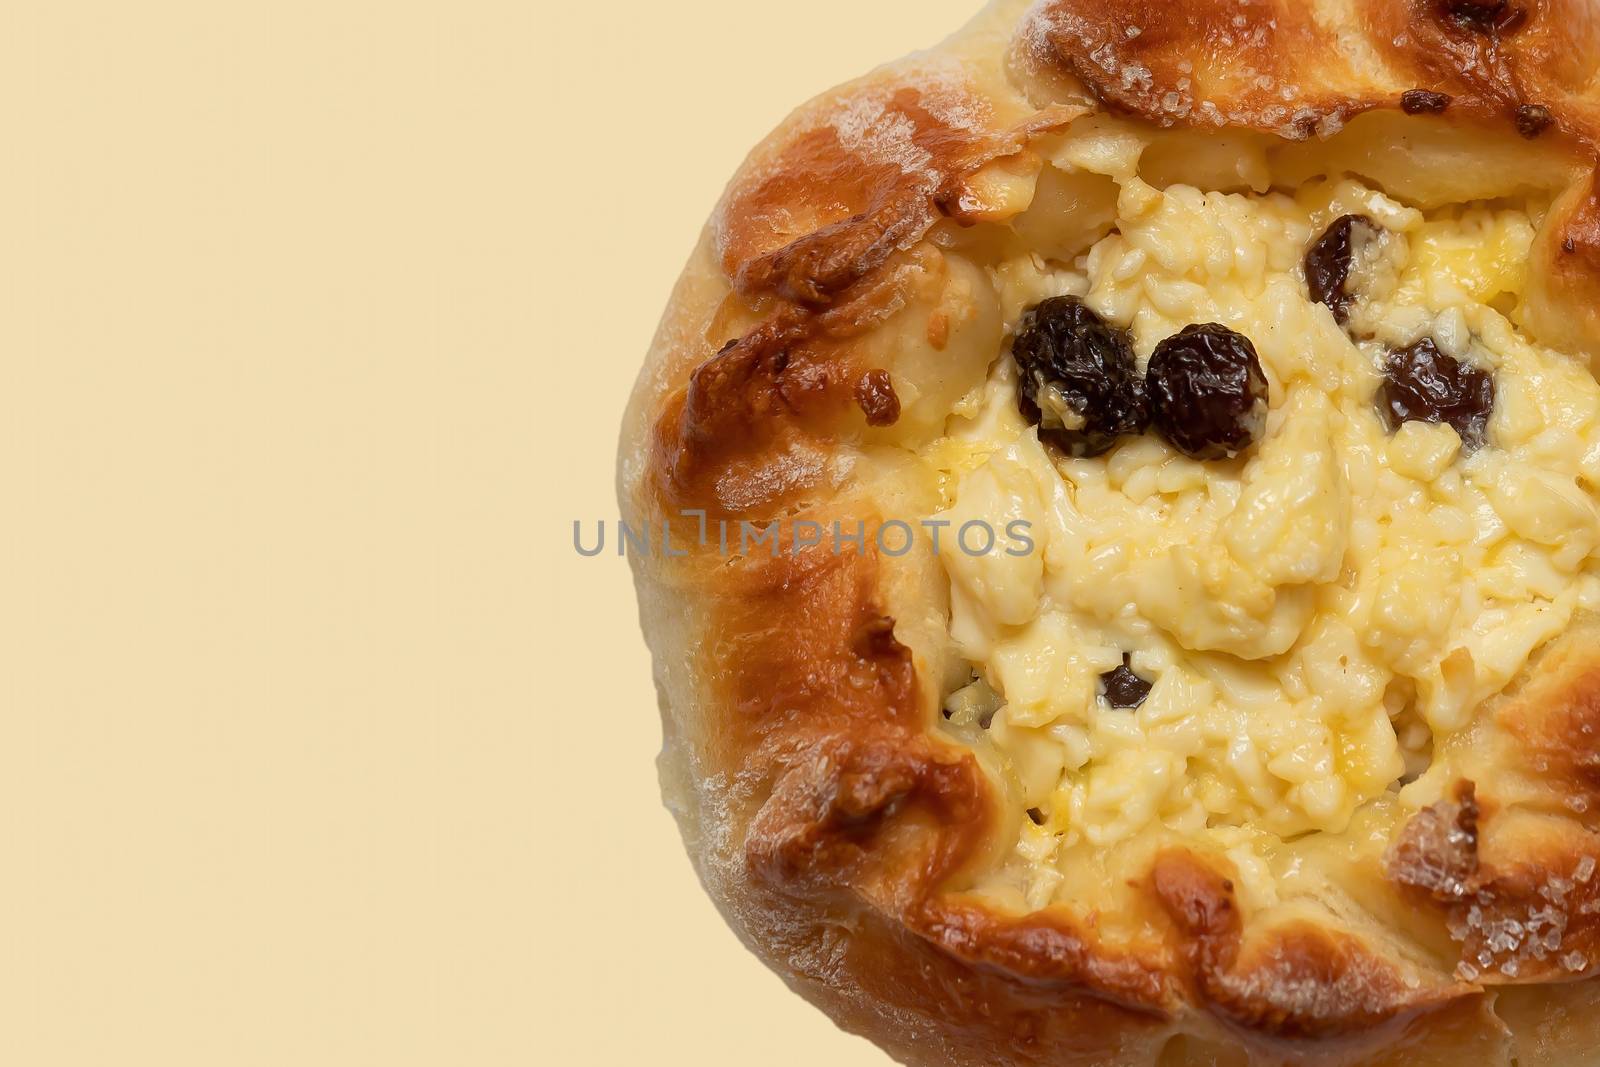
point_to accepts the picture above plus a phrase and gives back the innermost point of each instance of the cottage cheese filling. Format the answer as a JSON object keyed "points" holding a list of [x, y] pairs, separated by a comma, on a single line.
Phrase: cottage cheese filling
{"points": [[1313, 615]]}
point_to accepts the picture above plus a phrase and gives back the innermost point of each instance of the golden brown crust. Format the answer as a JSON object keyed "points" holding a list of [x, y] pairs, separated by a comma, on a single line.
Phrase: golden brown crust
{"points": [[1512, 860], [837, 829], [1294, 980], [1296, 69]]}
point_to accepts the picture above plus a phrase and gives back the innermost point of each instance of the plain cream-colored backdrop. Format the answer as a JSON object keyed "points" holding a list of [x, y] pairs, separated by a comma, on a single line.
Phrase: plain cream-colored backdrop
{"points": [[320, 745]]}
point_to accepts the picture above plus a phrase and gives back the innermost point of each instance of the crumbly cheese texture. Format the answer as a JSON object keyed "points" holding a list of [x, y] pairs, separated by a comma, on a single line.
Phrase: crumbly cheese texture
{"points": [[1315, 614]]}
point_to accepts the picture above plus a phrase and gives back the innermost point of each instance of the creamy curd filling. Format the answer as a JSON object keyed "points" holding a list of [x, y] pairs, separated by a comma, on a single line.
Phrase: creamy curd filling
{"points": [[1312, 615]]}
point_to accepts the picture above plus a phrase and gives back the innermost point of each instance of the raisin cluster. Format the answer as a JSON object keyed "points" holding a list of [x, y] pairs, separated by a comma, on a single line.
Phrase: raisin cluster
{"points": [[1204, 389], [1421, 383]]}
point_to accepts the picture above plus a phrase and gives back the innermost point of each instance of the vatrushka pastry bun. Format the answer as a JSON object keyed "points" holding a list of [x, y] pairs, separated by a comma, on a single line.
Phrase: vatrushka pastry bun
{"points": [[1241, 352]]}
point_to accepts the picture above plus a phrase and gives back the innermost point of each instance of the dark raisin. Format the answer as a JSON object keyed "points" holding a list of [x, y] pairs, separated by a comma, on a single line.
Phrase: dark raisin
{"points": [[877, 399], [1124, 689], [1422, 384], [1486, 16], [1037, 816], [1532, 120], [1079, 383], [1208, 393], [1327, 263], [1423, 102]]}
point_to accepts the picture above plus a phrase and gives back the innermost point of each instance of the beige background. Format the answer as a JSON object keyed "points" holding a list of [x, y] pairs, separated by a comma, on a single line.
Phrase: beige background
{"points": [[320, 744]]}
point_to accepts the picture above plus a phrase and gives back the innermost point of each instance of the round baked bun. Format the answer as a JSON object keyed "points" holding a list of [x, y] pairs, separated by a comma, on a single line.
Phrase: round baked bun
{"points": [[1115, 514]]}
